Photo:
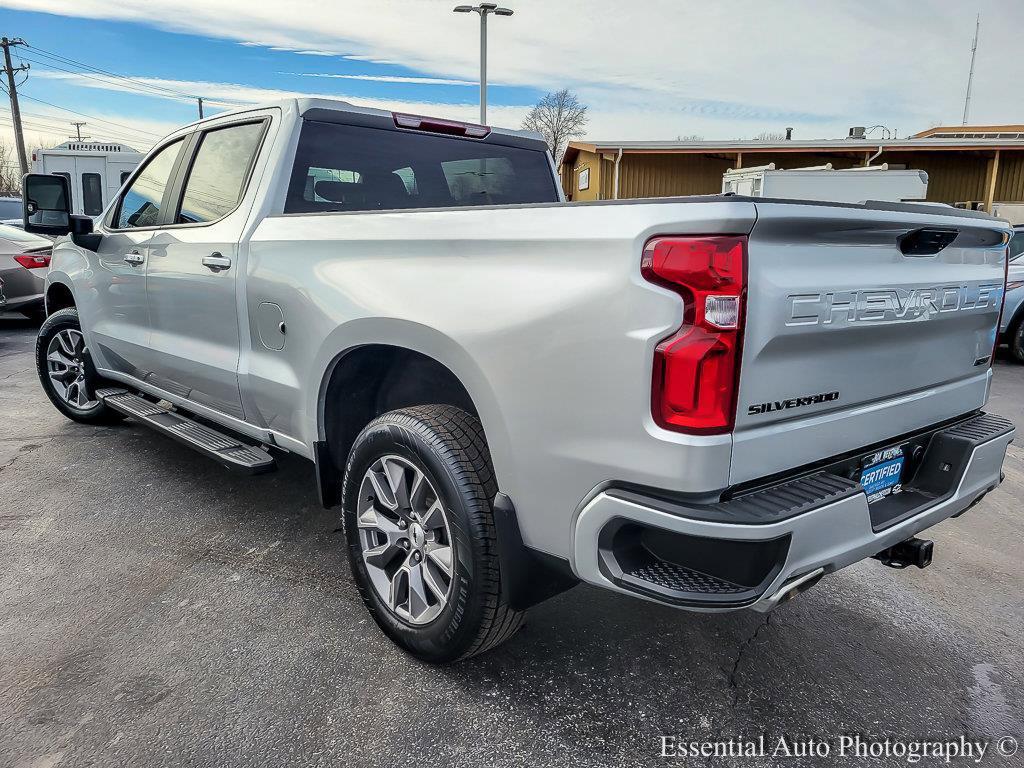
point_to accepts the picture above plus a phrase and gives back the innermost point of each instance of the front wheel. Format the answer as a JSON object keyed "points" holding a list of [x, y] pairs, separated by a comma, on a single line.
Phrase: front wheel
{"points": [[66, 371], [417, 498]]}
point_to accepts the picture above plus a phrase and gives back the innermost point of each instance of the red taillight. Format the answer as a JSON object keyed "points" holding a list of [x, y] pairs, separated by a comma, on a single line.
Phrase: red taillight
{"points": [[33, 260], [696, 369], [437, 125]]}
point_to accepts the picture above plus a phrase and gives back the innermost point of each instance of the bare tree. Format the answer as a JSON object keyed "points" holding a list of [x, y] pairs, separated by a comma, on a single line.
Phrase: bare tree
{"points": [[558, 117], [10, 171], [690, 137], [770, 136]]}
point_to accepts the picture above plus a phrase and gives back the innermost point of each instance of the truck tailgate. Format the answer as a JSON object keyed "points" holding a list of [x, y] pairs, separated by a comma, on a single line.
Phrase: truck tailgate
{"points": [[860, 328]]}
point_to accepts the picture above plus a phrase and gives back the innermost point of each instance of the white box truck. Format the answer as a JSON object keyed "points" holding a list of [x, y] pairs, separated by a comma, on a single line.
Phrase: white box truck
{"points": [[849, 185], [95, 170]]}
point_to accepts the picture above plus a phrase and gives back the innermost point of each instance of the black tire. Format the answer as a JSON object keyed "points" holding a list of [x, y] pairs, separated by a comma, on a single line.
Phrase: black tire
{"points": [[95, 414], [1017, 341], [447, 444]]}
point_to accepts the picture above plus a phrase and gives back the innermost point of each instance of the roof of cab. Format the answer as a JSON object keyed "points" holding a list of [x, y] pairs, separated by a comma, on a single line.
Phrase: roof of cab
{"points": [[304, 104]]}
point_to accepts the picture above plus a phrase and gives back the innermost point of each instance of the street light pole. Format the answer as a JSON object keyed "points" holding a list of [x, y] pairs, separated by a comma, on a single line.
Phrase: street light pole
{"points": [[483, 10]]}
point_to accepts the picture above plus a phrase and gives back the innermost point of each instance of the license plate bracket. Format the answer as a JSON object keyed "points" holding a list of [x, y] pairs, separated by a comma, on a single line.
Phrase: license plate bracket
{"points": [[881, 473]]}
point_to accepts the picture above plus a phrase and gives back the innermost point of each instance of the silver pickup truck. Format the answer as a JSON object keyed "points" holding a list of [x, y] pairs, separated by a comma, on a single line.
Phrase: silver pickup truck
{"points": [[707, 402]]}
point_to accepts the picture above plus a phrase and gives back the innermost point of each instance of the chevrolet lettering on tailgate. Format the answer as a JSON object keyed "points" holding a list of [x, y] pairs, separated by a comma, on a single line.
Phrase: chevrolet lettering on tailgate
{"points": [[894, 305]]}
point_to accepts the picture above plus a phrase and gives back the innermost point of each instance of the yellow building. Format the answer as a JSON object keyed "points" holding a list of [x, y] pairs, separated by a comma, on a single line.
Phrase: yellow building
{"points": [[979, 164]]}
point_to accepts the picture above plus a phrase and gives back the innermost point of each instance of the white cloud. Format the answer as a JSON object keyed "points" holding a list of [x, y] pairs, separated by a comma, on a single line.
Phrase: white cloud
{"points": [[386, 78], [661, 67], [227, 95]]}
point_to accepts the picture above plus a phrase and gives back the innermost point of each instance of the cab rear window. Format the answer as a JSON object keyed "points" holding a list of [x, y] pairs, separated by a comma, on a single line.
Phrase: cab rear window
{"points": [[355, 168]]}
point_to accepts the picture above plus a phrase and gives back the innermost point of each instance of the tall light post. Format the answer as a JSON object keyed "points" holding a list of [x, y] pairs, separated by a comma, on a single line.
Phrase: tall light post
{"points": [[483, 9]]}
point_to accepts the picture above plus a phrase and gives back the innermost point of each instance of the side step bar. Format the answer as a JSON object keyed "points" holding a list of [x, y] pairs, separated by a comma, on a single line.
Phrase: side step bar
{"points": [[218, 446]]}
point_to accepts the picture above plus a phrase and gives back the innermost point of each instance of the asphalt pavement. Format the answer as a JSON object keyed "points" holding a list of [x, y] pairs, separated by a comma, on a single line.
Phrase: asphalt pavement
{"points": [[158, 610]]}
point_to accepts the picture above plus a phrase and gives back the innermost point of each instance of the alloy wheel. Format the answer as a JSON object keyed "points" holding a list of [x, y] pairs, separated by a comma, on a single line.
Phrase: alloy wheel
{"points": [[65, 365], [405, 539]]}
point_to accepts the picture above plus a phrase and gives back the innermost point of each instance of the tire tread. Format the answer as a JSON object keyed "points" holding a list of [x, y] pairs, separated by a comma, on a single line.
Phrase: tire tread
{"points": [[458, 437]]}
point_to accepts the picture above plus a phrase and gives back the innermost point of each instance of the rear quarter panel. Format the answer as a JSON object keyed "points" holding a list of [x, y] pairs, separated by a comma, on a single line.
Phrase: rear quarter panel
{"points": [[540, 311]]}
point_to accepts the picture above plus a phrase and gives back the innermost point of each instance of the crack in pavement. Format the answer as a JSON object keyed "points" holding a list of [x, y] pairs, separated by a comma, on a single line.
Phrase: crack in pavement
{"points": [[25, 449], [15, 373], [733, 685]]}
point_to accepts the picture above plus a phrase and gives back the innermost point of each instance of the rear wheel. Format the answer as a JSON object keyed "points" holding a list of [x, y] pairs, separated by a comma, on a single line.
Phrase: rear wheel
{"points": [[1017, 341], [66, 371], [417, 498]]}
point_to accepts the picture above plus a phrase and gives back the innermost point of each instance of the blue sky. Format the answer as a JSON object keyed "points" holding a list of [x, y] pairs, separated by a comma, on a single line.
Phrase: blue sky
{"points": [[148, 54], [651, 69]]}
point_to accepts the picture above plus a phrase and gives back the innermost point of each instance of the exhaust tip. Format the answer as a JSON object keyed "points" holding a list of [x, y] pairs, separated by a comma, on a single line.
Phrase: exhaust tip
{"points": [[796, 586]]}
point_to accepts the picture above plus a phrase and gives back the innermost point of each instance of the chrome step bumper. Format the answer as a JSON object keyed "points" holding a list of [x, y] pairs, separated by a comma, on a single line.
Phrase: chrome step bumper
{"points": [[749, 551]]}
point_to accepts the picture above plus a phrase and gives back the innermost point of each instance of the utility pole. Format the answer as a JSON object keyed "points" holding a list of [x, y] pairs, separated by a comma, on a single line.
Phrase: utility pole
{"points": [[200, 107], [12, 90], [483, 9], [78, 131], [970, 77]]}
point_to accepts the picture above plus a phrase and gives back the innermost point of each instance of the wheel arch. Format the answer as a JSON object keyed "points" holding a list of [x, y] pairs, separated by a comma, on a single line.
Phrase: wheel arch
{"points": [[384, 365], [58, 296]]}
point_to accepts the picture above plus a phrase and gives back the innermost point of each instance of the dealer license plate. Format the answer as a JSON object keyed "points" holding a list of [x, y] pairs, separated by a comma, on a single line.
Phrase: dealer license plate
{"points": [[882, 474]]}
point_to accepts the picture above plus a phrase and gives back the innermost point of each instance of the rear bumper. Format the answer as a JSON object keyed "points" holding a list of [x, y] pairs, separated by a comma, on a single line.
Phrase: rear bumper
{"points": [[22, 289], [748, 551]]}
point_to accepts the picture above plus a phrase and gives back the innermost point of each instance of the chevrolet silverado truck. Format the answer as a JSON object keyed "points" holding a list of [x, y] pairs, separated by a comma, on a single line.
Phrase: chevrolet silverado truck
{"points": [[707, 402]]}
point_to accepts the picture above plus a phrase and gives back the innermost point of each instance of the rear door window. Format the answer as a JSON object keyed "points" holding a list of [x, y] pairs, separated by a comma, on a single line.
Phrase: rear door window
{"points": [[92, 194], [219, 173], [356, 168]]}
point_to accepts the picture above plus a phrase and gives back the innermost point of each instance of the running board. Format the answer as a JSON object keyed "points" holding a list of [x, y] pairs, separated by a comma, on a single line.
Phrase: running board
{"points": [[218, 446]]}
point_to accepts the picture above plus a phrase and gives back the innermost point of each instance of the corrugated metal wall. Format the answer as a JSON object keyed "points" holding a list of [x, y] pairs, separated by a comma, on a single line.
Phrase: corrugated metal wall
{"points": [[670, 175], [952, 177], [1010, 182], [608, 179], [656, 175]]}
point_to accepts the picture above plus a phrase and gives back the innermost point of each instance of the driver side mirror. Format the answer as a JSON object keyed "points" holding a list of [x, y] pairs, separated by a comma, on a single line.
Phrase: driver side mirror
{"points": [[46, 210], [46, 204]]}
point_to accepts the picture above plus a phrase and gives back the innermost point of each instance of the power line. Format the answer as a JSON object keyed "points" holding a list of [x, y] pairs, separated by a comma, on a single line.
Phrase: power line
{"points": [[92, 117], [54, 123], [139, 83], [58, 126], [98, 70], [126, 85], [58, 130], [59, 122]]}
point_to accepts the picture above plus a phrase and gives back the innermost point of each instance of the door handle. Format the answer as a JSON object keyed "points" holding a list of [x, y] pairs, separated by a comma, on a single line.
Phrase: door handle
{"points": [[216, 262], [134, 258]]}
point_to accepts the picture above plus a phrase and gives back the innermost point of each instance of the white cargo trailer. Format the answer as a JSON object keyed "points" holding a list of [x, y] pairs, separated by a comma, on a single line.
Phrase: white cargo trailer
{"points": [[95, 170], [849, 185]]}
